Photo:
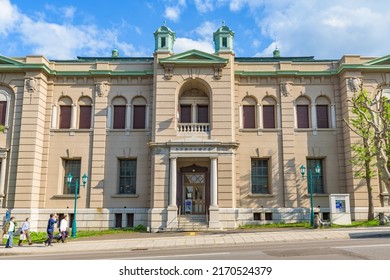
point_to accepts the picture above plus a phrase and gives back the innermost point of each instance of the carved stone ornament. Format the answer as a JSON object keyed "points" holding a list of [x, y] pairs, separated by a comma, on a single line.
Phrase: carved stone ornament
{"points": [[168, 71], [354, 84], [100, 89], [30, 84], [285, 89], [217, 73]]}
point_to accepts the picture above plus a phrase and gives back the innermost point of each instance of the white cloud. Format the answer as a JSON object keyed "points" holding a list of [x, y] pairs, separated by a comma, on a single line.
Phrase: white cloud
{"points": [[186, 44], [9, 17], [206, 30], [172, 13], [326, 29], [204, 6]]}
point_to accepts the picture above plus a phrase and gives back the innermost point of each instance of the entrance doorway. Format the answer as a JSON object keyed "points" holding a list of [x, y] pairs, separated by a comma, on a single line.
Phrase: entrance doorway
{"points": [[193, 190], [194, 193]]}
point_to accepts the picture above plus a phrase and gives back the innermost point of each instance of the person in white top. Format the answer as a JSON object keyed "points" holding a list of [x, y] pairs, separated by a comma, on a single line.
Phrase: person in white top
{"points": [[26, 231], [10, 230], [64, 228]]}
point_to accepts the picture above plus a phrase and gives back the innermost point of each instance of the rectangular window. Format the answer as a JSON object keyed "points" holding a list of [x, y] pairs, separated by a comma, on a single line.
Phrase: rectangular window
{"points": [[260, 176], [268, 116], [224, 42], [139, 117], [322, 116], [85, 117], [119, 117], [118, 220], [65, 115], [127, 176], [249, 116], [130, 220], [303, 116], [163, 42], [203, 113], [3, 111], [317, 180], [185, 113], [72, 166]]}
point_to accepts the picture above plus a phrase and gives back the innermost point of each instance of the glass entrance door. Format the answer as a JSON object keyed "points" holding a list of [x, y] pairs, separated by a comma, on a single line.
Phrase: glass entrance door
{"points": [[194, 193]]}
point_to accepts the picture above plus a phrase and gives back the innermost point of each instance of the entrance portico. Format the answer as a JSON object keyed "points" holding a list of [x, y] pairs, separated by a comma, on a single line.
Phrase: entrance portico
{"points": [[193, 183]]}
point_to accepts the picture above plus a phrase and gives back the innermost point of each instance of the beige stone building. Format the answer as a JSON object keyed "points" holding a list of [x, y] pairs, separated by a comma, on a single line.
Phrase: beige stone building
{"points": [[178, 140]]}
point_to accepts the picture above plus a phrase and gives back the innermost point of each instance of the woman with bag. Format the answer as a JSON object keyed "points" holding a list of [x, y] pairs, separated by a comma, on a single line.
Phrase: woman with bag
{"points": [[64, 228], [25, 233]]}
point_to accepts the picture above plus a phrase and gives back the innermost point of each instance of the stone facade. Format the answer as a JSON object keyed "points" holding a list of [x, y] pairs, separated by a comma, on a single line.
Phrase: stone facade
{"points": [[203, 130]]}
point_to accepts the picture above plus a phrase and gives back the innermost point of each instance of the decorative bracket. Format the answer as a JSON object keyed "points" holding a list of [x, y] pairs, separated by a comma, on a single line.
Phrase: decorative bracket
{"points": [[217, 72], [100, 89], [354, 84], [168, 71], [30, 84], [285, 89]]}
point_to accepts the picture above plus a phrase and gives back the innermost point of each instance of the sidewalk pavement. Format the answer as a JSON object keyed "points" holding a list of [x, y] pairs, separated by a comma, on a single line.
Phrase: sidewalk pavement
{"points": [[169, 240]]}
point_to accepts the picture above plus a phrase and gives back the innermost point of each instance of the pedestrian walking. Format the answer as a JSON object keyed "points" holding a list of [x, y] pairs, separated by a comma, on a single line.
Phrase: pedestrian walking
{"points": [[25, 233], [10, 230], [50, 229], [64, 228]]}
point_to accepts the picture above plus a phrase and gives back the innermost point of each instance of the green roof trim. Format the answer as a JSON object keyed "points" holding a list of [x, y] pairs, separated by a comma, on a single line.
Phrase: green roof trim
{"points": [[9, 61], [380, 60], [194, 57]]}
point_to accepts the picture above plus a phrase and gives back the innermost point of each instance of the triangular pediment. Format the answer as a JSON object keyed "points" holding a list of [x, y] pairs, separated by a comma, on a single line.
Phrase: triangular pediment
{"points": [[194, 57], [384, 60], [8, 61]]}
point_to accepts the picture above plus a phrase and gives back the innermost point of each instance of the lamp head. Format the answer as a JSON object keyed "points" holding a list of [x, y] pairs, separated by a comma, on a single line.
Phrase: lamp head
{"points": [[303, 169], [85, 179], [317, 169], [69, 178]]}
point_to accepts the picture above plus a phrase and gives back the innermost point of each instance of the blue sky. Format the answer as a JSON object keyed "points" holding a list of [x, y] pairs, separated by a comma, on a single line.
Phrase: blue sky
{"points": [[64, 29]]}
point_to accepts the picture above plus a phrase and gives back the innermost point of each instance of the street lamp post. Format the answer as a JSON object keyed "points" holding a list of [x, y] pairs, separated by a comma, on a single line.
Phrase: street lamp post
{"points": [[84, 180], [317, 170]]}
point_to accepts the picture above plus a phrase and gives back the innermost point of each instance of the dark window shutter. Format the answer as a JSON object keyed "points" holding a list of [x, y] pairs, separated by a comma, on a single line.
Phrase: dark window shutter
{"points": [[85, 117], [3, 111], [322, 116], [303, 116], [203, 113], [119, 117], [139, 117], [268, 116], [249, 116], [65, 114], [185, 113]]}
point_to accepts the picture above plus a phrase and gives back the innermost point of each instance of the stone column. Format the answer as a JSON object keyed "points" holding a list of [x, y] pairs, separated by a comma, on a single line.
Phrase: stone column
{"points": [[278, 116], [313, 116], [2, 176], [54, 116], [259, 116], [333, 115], [128, 116], [109, 113], [240, 119], [193, 113], [214, 209], [147, 116], [172, 223], [73, 117]]}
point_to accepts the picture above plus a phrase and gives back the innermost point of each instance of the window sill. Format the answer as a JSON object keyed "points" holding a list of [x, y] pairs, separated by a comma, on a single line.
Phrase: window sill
{"points": [[125, 196], [258, 195], [259, 129], [317, 194], [71, 131], [65, 196]]}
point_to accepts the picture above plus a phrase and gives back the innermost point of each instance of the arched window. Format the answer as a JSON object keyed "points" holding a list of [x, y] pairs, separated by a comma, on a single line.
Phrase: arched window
{"points": [[249, 112], [4, 107], [65, 104], [322, 112], [194, 107], [119, 108], [85, 112], [139, 113], [302, 112], [269, 112]]}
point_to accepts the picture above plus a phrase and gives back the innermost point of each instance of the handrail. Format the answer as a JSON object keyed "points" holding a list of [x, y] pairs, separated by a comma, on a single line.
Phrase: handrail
{"points": [[193, 127]]}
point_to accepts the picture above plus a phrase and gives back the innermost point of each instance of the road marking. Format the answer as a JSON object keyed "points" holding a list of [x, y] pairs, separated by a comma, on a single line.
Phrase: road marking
{"points": [[171, 256], [362, 246]]}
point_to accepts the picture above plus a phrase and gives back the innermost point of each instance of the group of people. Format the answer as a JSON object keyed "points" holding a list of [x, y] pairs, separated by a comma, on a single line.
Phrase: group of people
{"points": [[10, 226], [50, 228]]}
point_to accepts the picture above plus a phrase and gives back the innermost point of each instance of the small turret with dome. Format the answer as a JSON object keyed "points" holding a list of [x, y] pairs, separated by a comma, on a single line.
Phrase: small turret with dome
{"points": [[164, 39], [223, 39]]}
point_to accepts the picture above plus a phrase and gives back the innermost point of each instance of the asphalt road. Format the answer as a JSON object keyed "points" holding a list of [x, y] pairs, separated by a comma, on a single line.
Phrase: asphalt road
{"points": [[350, 249]]}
